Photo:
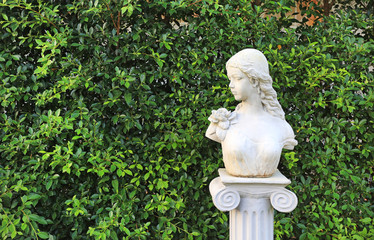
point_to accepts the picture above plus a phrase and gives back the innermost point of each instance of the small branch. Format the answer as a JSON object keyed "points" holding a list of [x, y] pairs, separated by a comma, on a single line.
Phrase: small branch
{"points": [[29, 8], [28, 219], [111, 16], [118, 22], [327, 6], [194, 3]]}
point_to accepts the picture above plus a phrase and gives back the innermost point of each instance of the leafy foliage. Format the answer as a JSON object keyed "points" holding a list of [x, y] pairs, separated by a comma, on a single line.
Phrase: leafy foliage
{"points": [[104, 106]]}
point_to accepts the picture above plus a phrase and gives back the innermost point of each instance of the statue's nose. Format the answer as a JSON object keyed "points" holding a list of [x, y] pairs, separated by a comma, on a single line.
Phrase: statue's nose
{"points": [[231, 85]]}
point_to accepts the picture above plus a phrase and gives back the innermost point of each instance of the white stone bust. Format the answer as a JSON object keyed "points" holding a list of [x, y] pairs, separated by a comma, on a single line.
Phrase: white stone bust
{"points": [[253, 136]]}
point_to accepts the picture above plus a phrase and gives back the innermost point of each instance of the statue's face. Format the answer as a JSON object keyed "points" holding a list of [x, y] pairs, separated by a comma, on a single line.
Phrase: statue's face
{"points": [[240, 86]]}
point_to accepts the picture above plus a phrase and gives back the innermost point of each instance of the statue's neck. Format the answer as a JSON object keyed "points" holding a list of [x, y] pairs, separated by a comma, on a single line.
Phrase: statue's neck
{"points": [[251, 108]]}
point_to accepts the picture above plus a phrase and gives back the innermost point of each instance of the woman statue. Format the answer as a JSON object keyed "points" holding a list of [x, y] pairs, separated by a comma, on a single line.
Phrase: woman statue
{"points": [[252, 137]]}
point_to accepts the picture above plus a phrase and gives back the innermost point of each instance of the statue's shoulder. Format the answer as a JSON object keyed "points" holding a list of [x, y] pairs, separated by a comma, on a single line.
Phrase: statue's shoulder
{"points": [[287, 128], [289, 136], [285, 132]]}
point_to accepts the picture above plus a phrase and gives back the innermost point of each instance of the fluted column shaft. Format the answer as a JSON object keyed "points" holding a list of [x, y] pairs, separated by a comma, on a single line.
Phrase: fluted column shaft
{"points": [[251, 202], [252, 219]]}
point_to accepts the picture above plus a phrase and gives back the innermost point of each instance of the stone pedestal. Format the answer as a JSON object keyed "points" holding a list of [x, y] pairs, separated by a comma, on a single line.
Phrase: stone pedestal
{"points": [[251, 202]]}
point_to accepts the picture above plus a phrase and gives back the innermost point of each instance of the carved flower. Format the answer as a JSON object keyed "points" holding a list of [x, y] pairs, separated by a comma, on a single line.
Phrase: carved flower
{"points": [[223, 118]]}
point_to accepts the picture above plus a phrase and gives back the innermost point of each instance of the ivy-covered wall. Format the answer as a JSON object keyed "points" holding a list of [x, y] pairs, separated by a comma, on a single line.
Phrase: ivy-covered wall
{"points": [[104, 106]]}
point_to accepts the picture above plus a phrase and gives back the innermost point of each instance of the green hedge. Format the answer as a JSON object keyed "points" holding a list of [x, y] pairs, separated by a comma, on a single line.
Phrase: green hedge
{"points": [[104, 106]]}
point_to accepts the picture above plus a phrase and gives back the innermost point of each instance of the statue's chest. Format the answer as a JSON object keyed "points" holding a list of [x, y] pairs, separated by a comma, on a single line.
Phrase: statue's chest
{"points": [[256, 132], [251, 143]]}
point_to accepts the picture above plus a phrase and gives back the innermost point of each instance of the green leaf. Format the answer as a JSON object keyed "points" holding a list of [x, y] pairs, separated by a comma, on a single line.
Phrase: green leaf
{"points": [[137, 124], [128, 98], [130, 10], [5, 16], [49, 184], [195, 233], [33, 196], [366, 220], [115, 185], [38, 219], [39, 42], [43, 235], [16, 57], [127, 231]]}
